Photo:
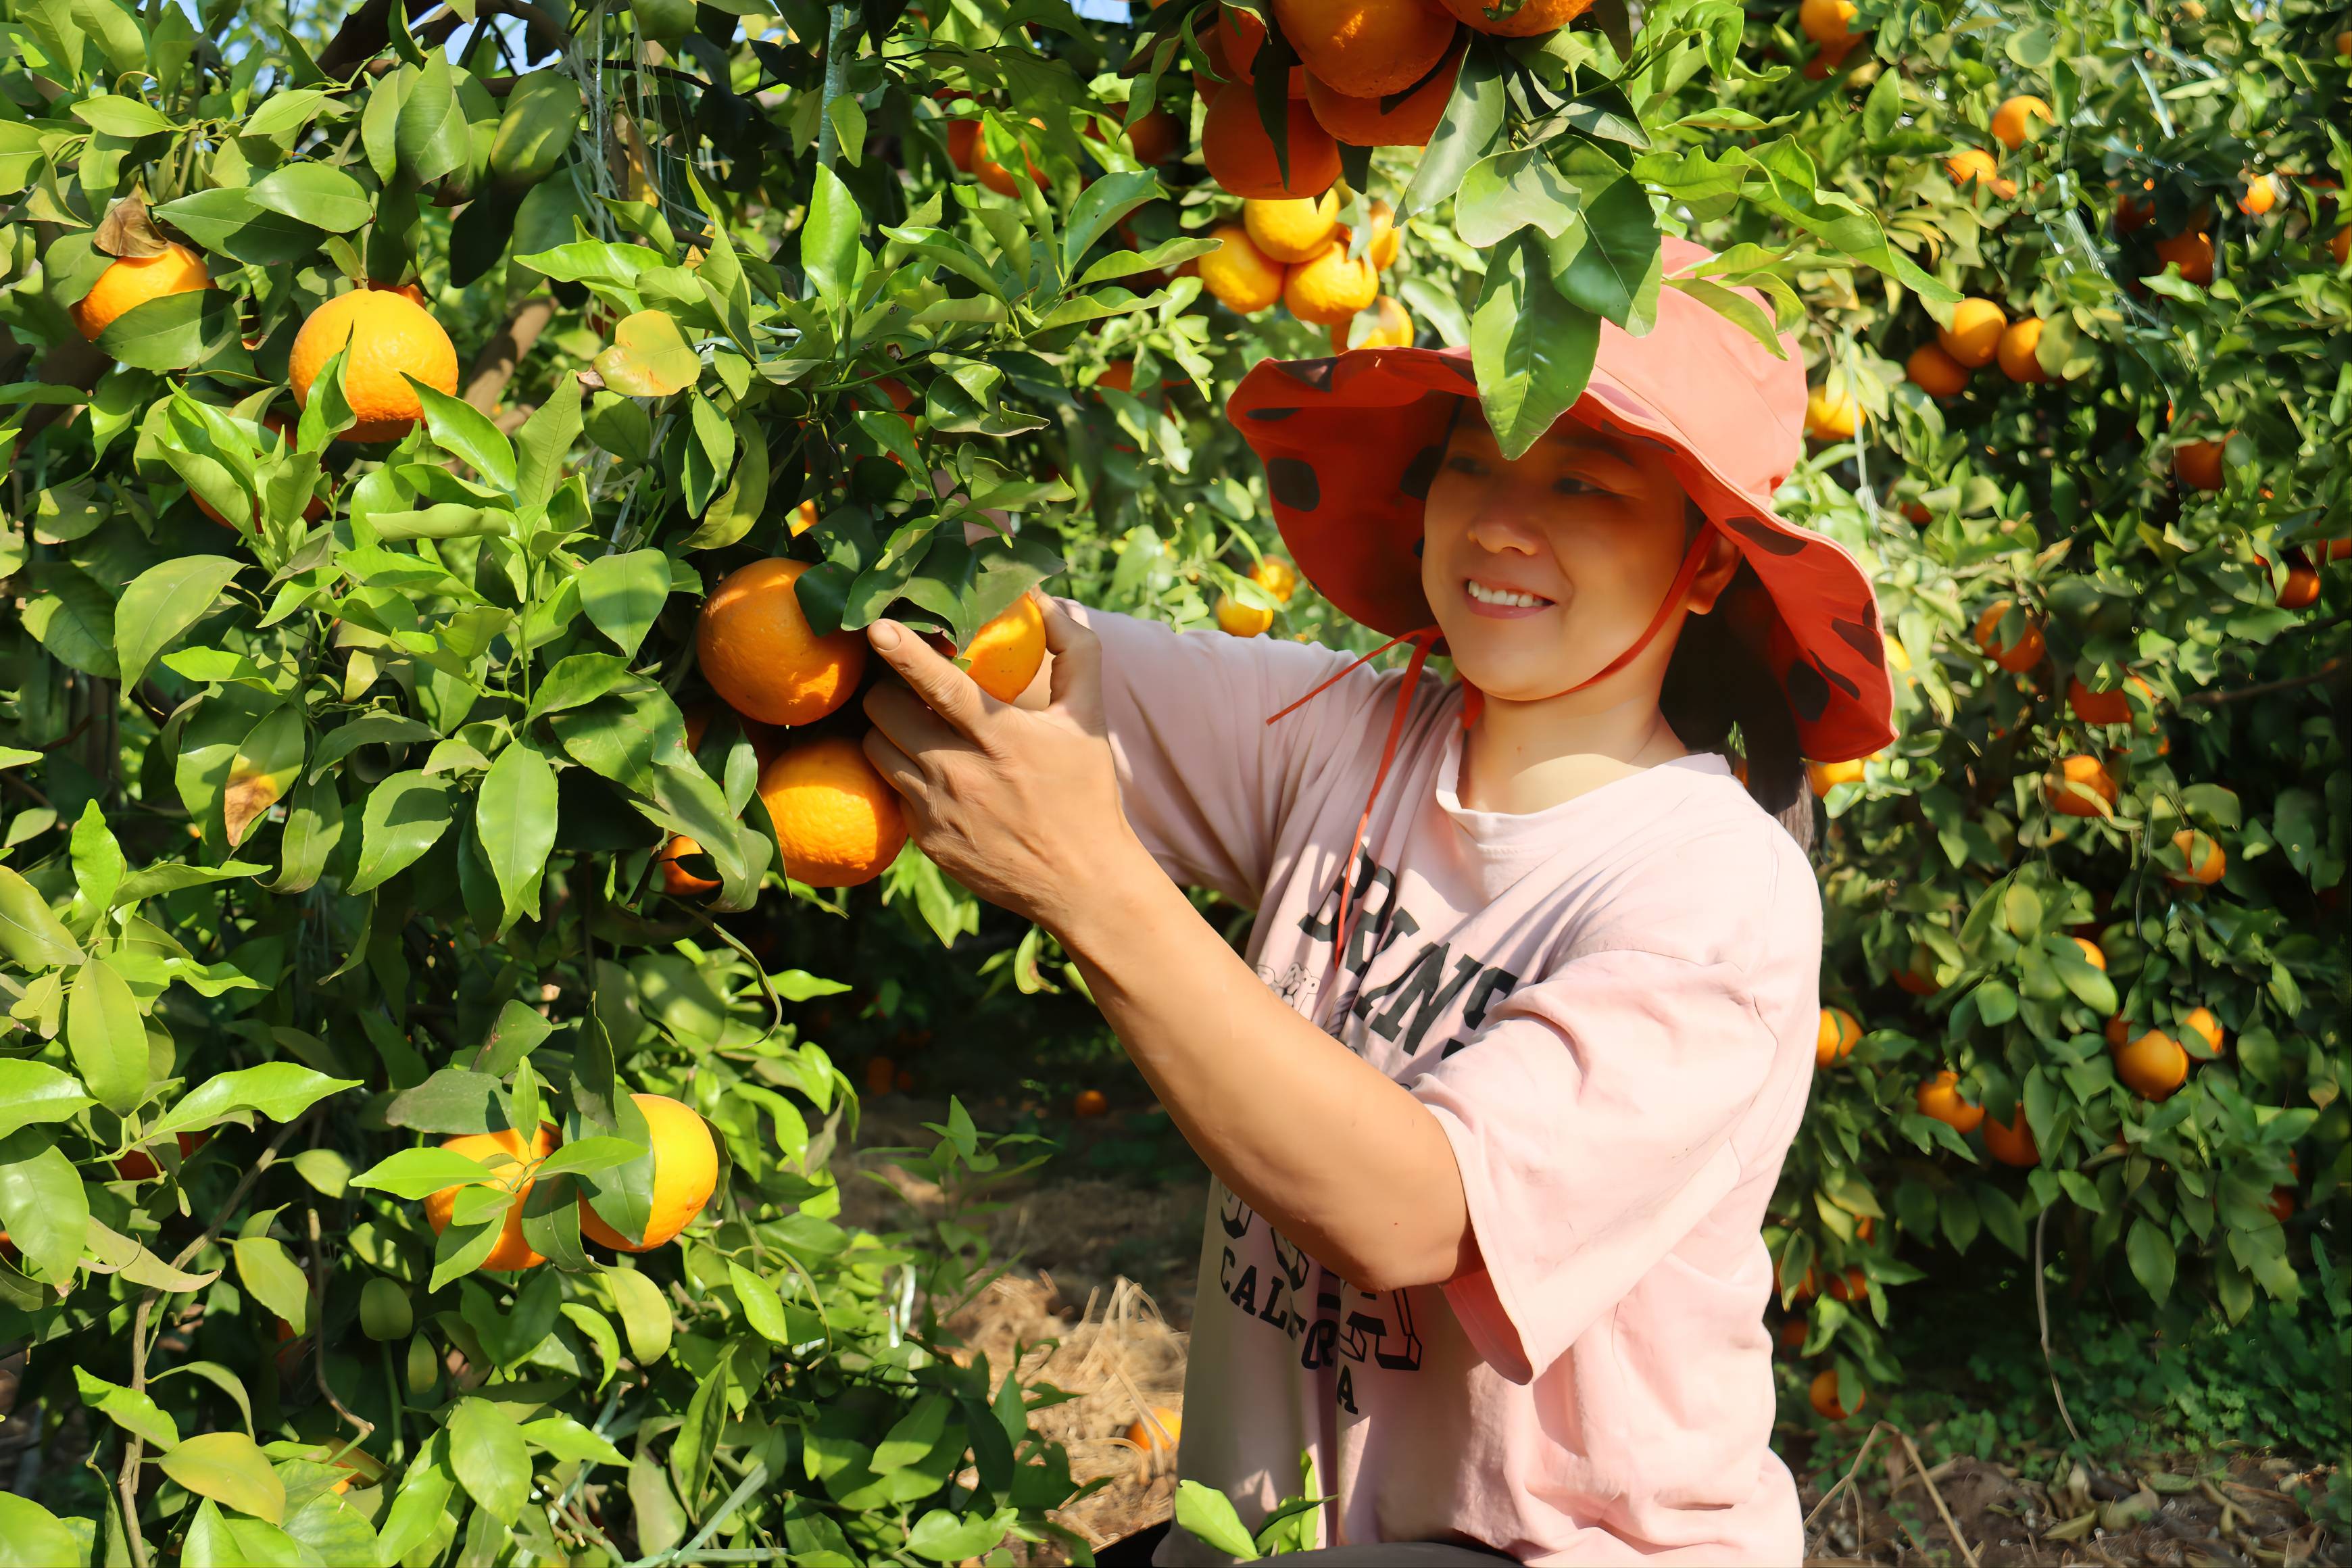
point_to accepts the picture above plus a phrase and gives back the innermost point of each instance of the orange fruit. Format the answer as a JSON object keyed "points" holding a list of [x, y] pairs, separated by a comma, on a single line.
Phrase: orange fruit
{"points": [[1831, 419], [1823, 1395], [1826, 776], [1362, 123], [1840, 1033], [2202, 1024], [2133, 215], [967, 151], [2301, 589], [2018, 656], [2262, 194], [1240, 155], [1329, 289], [130, 281], [1089, 1103], [804, 517], [2086, 773], [760, 655], [1383, 246], [2206, 861], [509, 1251], [2013, 123], [1939, 1097], [2280, 1204], [1239, 619], [1533, 18], [2344, 42], [1918, 976], [2119, 1030], [383, 334], [1295, 229], [2015, 351], [1829, 23], [1243, 278], [676, 880], [1367, 48], [2340, 246], [2091, 953], [881, 1075], [1936, 373], [1238, 36], [1170, 1428], [140, 1165], [1974, 336], [1794, 1332], [2112, 706], [2198, 464], [1156, 138], [685, 1170], [1851, 1286], [1276, 576], [838, 822], [2151, 1065], [1118, 375], [1970, 164], [2012, 1144], [2191, 252], [1005, 653], [1391, 328]]}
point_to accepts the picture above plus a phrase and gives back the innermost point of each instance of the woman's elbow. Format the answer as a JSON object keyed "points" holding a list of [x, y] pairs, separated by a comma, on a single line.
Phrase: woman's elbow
{"points": [[1400, 1263]]}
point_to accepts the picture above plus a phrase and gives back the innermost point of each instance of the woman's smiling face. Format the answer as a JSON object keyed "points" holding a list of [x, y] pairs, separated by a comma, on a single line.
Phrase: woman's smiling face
{"points": [[1543, 570]]}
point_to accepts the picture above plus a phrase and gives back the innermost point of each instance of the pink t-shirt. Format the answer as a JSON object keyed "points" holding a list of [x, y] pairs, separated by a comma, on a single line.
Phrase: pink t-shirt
{"points": [[1609, 1005]]}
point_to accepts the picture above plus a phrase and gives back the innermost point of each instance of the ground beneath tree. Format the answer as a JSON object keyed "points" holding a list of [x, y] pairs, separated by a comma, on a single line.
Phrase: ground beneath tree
{"points": [[1099, 1299]]}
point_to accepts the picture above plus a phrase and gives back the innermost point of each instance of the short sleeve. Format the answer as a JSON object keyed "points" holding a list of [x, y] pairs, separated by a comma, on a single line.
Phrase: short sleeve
{"points": [[1205, 780], [1592, 1119]]}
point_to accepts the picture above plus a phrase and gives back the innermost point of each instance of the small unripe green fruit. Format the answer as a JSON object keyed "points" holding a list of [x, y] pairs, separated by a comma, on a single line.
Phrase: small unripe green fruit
{"points": [[663, 21], [385, 1312]]}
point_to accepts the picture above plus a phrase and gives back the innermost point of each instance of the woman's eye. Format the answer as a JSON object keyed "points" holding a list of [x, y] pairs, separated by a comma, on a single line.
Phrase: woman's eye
{"points": [[1461, 465], [1577, 485]]}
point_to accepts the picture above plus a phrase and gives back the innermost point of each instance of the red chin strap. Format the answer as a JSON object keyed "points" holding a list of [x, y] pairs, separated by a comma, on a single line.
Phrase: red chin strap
{"points": [[1474, 702]]}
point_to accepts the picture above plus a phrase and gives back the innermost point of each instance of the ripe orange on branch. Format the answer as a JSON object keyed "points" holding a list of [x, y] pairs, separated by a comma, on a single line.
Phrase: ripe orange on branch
{"points": [[686, 1171], [1532, 18], [385, 336], [509, 1251], [1830, 418], [133, 280], [2013, 122], [2015, 657], [1240, 276], [1974, 336], [1939, 1097], [2206, 861], [2151, 1065], [1362, 123], [761, 655], [1840, 1033], [1367, 48], [1276, 576], [1936, 373], [2198, 464], [1238, 38], [676, 880], [1237, 620], [2016, 351], [2191, 252], [1293, 229], [1328, 289], [2063, 787], [1391, 328], [2012, 1142], [837, 821], [2113, 706], [1240, 155], [1823, 1396], [1005, 653]]}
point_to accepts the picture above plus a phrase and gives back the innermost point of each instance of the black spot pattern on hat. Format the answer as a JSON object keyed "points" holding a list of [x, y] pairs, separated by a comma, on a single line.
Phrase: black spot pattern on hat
{"points": [[1809, 694], [1291, 481], [1268, 415], [1415, 480], [1416, 548], [1463, 368], [1860, 638], [1843, 683], [1314, 373], [1764, 537]]}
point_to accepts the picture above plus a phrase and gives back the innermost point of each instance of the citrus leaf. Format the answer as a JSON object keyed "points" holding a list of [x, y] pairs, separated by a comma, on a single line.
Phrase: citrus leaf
{"points": [[486, 1451], [32, 1537], [316, 194], [623, 594], [172, 331], [230, 1469], [645, 1314], [29, 934], [42, 1206], [649, 357], [277, 1090], [162, 601], [515, 818], [1532, 350], [107, 1037], [418, 1173], [35, 1092], [115, 115], [269, 1274], [229, 220], [406, 814]]}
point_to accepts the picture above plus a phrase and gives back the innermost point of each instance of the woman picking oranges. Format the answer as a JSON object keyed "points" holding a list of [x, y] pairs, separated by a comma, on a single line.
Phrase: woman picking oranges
{"points": [[1497, 1095]]}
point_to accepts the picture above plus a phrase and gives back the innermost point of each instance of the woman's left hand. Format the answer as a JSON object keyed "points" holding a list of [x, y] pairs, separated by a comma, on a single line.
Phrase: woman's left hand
{"points": [[1020, 806]]}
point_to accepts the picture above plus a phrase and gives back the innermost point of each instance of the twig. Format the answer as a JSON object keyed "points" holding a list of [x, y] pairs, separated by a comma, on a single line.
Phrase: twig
{"points": [[1938, 1498], [495, 366], [1847, 1479], [2042, 1310], [2240, 693], [319, 1339]]}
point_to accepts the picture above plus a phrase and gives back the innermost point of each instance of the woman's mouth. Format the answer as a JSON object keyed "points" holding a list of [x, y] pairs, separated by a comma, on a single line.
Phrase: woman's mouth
{"points": [[1502, 603]]}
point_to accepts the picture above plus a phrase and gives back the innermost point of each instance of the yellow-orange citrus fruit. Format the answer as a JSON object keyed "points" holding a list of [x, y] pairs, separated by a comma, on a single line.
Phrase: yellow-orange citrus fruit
{"points": [[1794, 1331], [1328, 288], [1243, 278], [1828, 22], [2280, 1204], [761, 655], [1118, 375], [1240, 155], [1237, 37], [1367, 48], [2091, 953], [1534, 17], [1391, 328], [676, 880], [2191, 252], [1840, 1033], [2340, 246], [1292, 231], [2018, 656], [509, 1251], [2132, 215], [1385, 242], [385, 336], [1826, 776], [1970, 164], [1918, 976], [685, 1170], [804, 517], [2198, 464], [1144, 1436], [967, 149], [2202, 1024], [130, 281], [2206, 861], [1851, 1286], [1936, 373], [881, 1075], [1239, 619], [2118, 1029], [2012, 1144], [838, 822], [1362, 123], [2152, 1065], [1006, 653], [2085, 773], [2262, 194], [1276, 576], [1939, 1097], [1974, 336], [140, 1165], [1823, 1395], [1089, 1103], [2301, 589], [1832, 419], [2016, 351], [2013, 122], [2344, 42], [2112, 706], [1156, 138]]}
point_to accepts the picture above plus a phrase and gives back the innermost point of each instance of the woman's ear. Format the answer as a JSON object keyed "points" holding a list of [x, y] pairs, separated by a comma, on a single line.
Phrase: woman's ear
{"points": [[1715, 574]]}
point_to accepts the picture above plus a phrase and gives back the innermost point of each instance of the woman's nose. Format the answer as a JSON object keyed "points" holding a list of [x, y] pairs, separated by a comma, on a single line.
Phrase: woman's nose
{"points": [[1500, 526]]}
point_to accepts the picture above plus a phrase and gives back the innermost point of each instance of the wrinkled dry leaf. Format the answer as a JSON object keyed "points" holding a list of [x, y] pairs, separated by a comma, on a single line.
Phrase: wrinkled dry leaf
{"points": [[128, 231]]}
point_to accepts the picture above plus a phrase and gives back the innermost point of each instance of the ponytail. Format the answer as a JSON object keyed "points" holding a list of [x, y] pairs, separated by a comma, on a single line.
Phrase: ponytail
{"points": [[1714, 681]]}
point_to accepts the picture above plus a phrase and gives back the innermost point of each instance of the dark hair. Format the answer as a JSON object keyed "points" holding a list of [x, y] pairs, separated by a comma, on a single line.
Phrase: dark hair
{"points": [[1714, 681]]}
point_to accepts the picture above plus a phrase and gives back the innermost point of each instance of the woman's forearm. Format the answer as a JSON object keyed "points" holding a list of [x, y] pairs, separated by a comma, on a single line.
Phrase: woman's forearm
{"points": [[1336, 1156]]}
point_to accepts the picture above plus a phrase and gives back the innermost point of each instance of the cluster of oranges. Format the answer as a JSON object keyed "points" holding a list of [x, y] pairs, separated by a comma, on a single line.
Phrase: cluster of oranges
{"points": [[685, 1172], [1273, 574], [1294, 251], [1981, 333]]}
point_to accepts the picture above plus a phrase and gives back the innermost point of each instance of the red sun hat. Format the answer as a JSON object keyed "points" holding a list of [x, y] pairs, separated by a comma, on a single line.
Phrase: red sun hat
{"points": [[1351, 443]]}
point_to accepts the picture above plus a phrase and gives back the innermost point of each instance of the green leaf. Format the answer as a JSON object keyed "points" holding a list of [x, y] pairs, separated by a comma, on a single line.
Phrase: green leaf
{"points": [[424, 1499], [406, 814], [623, 594], [230, 1469], [1098, 209], [433, 137], [515, 818], [35, 1092], [466, 432], [174, 332], [944, 1537], [269, 1274], [1532, 350], [418, 1173], [2151, 1254], [1210, 1515], [29, 934], [162, 601], [42, 1206], [583, 1155], [108, 1037], [97, 858], [829, 249], [644, 1313], [762, 1309], [115, 115], [571, 1442], [547, 438], [132, 1410], [277, 1090], [229, 221], [1465, 134], [444, 520], [486, 1451], [1611, 265], [32, 1537], [316, 194], [649, 356], [1510, 190]]}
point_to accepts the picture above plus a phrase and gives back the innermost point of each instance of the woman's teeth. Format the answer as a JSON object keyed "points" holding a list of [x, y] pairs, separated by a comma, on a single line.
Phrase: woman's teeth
{"points": [[1486, 596]]}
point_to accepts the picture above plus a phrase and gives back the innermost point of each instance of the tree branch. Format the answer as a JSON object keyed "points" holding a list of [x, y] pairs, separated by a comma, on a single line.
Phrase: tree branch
{"points": [[495, 364], [2328, 671]]}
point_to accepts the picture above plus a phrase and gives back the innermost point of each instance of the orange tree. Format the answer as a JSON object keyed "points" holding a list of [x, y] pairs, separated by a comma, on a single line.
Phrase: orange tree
{"points": [[2086, 959]]}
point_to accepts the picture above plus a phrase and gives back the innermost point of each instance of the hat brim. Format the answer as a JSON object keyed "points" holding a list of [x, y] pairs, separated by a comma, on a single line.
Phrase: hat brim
{"points": [[1352, 445]]}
